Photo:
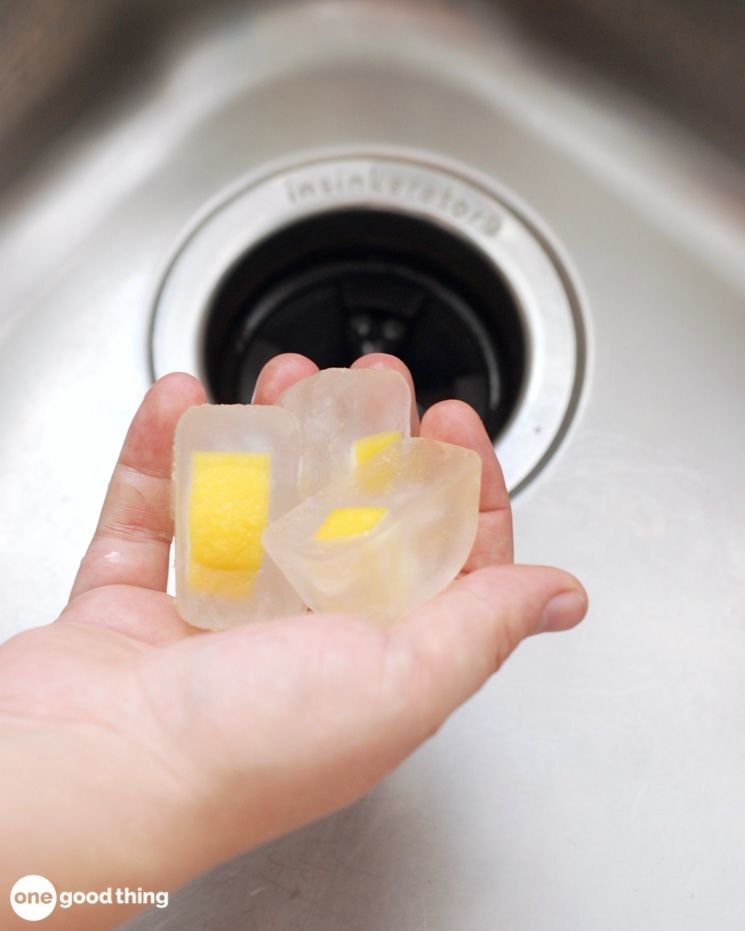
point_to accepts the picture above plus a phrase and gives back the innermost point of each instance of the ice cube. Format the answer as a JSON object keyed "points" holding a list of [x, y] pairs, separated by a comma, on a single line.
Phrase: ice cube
{"points": [[385, 537], [235, 469], [345, 415]]}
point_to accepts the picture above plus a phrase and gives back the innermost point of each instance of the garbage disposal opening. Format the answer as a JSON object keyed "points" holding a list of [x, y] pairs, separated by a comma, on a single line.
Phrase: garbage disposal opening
{"points": [[342, 283]]}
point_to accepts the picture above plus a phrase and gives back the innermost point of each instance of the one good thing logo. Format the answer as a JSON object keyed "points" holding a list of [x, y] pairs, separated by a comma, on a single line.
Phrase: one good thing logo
{"points": [[34, 897]]}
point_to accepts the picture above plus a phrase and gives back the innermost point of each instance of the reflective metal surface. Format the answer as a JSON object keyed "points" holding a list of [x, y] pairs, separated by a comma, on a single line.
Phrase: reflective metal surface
{"points": [[597, 781]]}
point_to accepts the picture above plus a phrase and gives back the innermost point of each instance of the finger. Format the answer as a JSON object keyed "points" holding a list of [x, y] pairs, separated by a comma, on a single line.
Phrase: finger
{"points": [[457, 422], [279, 374], [133, 537], [382, 360], [450, 646]]}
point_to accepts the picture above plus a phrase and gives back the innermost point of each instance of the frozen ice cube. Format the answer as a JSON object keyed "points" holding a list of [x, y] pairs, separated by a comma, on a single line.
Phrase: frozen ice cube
{"points": [[235, 469], [386, 536], [338, 408]]}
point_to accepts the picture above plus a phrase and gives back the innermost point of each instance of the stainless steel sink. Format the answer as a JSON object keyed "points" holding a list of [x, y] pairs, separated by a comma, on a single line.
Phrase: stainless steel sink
{"points": [[597, 782]]}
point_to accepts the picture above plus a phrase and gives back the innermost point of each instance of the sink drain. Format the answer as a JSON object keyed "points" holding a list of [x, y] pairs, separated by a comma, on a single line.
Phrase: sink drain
{"points": [[342, 283], [345, 255]]}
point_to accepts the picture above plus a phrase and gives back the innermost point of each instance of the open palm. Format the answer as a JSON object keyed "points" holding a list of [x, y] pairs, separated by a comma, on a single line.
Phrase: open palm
{"points": [[141, 751]]}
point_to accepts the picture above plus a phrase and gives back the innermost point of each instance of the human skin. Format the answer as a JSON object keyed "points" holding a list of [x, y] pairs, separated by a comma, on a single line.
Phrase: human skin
{"points": [[139, 751]]}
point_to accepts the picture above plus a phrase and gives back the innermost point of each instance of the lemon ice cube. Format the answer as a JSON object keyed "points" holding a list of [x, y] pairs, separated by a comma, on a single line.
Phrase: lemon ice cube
{"points": [[235, 470], [385, 536], [341, 413]]}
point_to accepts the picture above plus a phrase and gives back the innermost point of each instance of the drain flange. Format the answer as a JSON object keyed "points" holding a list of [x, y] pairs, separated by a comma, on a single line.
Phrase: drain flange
{"points": [[343, 255]]}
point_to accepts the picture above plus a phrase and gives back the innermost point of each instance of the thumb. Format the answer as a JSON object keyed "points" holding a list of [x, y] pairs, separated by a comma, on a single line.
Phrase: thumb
{"points": [[449, 647]]}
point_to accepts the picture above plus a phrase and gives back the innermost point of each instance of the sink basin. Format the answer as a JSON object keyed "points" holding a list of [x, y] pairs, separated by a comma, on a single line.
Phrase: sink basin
{"points": [[598, 779]]}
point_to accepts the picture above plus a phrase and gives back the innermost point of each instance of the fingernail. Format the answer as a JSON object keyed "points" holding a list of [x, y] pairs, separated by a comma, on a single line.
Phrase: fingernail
{"points": [[564, 611]]}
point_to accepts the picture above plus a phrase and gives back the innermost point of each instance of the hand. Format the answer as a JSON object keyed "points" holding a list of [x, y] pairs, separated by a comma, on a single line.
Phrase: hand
{"points": [[139, 751]]}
